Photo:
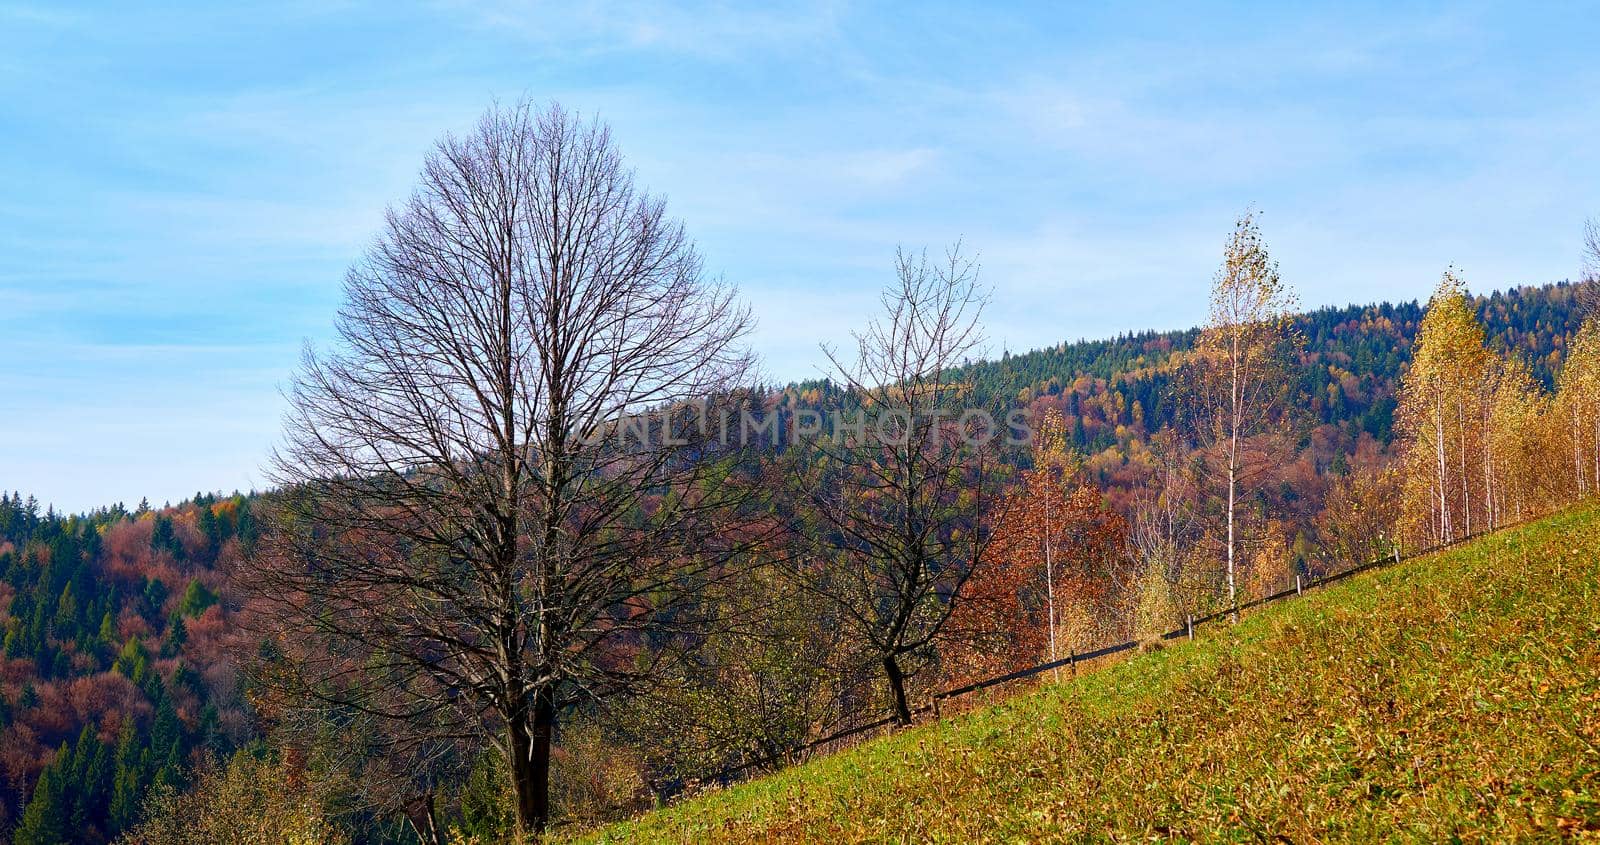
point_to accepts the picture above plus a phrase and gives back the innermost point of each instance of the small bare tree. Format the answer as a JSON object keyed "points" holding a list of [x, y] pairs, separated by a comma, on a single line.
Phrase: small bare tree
{"points": [[461, 548], [1162, 528], [1241, 376], [1589, 287], [899, 505]]}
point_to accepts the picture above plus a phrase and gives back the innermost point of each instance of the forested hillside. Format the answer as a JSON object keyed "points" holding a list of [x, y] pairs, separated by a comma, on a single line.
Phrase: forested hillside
{"points": [[121, 656], [1115, 394], [1350, 371], [116, 676]]}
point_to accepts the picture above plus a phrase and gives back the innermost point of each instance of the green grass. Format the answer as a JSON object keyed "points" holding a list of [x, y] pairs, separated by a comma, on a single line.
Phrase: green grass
{"points": [[1452, 698]]}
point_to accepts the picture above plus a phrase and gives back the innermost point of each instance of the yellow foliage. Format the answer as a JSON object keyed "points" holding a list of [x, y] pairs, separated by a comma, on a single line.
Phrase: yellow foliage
{"points": [[247, 802], [1442, 399]]}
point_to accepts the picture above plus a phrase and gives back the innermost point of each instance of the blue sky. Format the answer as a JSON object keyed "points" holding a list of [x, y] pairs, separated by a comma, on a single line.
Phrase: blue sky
{"points": [[181, 187]]}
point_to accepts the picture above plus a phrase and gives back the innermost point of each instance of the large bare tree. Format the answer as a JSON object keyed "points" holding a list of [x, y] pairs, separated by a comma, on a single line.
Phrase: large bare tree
{"points": [[467, 541], [899, 500]]}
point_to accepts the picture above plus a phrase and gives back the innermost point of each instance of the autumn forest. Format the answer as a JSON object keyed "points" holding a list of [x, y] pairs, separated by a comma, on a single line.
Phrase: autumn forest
{"points": [[472, 606]]}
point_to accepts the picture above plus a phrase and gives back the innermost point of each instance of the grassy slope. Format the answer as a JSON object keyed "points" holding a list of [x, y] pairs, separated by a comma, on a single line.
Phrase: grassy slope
{"points": [[1455, 697]]}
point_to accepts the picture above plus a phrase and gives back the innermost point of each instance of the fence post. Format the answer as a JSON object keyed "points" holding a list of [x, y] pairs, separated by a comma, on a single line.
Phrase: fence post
{"points": [[1188, 624], [1298, 589]]}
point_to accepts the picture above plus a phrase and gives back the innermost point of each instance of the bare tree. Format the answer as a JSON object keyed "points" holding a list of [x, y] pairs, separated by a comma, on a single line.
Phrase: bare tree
{"points": [[461, 548], [1589, 287], [900, 501], [1240, 376], [1162, 534], [1162, 525]]}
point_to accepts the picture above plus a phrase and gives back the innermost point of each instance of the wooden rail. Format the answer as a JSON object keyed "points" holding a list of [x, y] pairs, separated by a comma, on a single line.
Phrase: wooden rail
{"points": [[729, 775]]}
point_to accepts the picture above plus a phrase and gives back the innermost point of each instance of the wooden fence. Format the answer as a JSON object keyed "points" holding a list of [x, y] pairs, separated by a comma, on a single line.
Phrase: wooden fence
{"points": [[733, 774]]}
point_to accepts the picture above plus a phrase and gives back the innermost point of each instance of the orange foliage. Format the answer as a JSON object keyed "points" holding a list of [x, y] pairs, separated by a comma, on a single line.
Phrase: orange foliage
{"points": [[131, 624], [127, 549], [21, 756], [1051, 568], [53, 716], [105, 700]]}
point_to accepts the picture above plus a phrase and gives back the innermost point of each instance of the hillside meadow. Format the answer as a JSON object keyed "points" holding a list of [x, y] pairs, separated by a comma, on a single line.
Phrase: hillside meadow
{"points": [[1454, 698]]}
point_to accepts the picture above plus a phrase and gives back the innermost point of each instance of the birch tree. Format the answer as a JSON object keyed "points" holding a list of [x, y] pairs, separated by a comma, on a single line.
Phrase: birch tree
{"points": [[1578, 396], [1517, 447], [1439, 414], [1053, 561], [1578, 401], [1034, 533], [1241, 377]]}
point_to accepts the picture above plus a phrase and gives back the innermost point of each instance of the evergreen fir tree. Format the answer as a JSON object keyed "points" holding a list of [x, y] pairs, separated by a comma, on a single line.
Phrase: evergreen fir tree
{"points": [[166, 732], [131, 660], [44, 820], [125, 799], [155, 596], [66, 621], [196, 598], [246, 530], [177, 634], [107, 635], [212, 530]]}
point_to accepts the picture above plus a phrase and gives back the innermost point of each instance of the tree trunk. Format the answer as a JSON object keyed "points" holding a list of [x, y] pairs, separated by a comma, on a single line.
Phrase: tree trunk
{"points": [[530, 765], [897, 688], [1466, 480], [1597, 451], [1050, 590], [1446, 528], [424, 821], [1233, 587], [1233, 482], [1486, 433], [1577, 453]]}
